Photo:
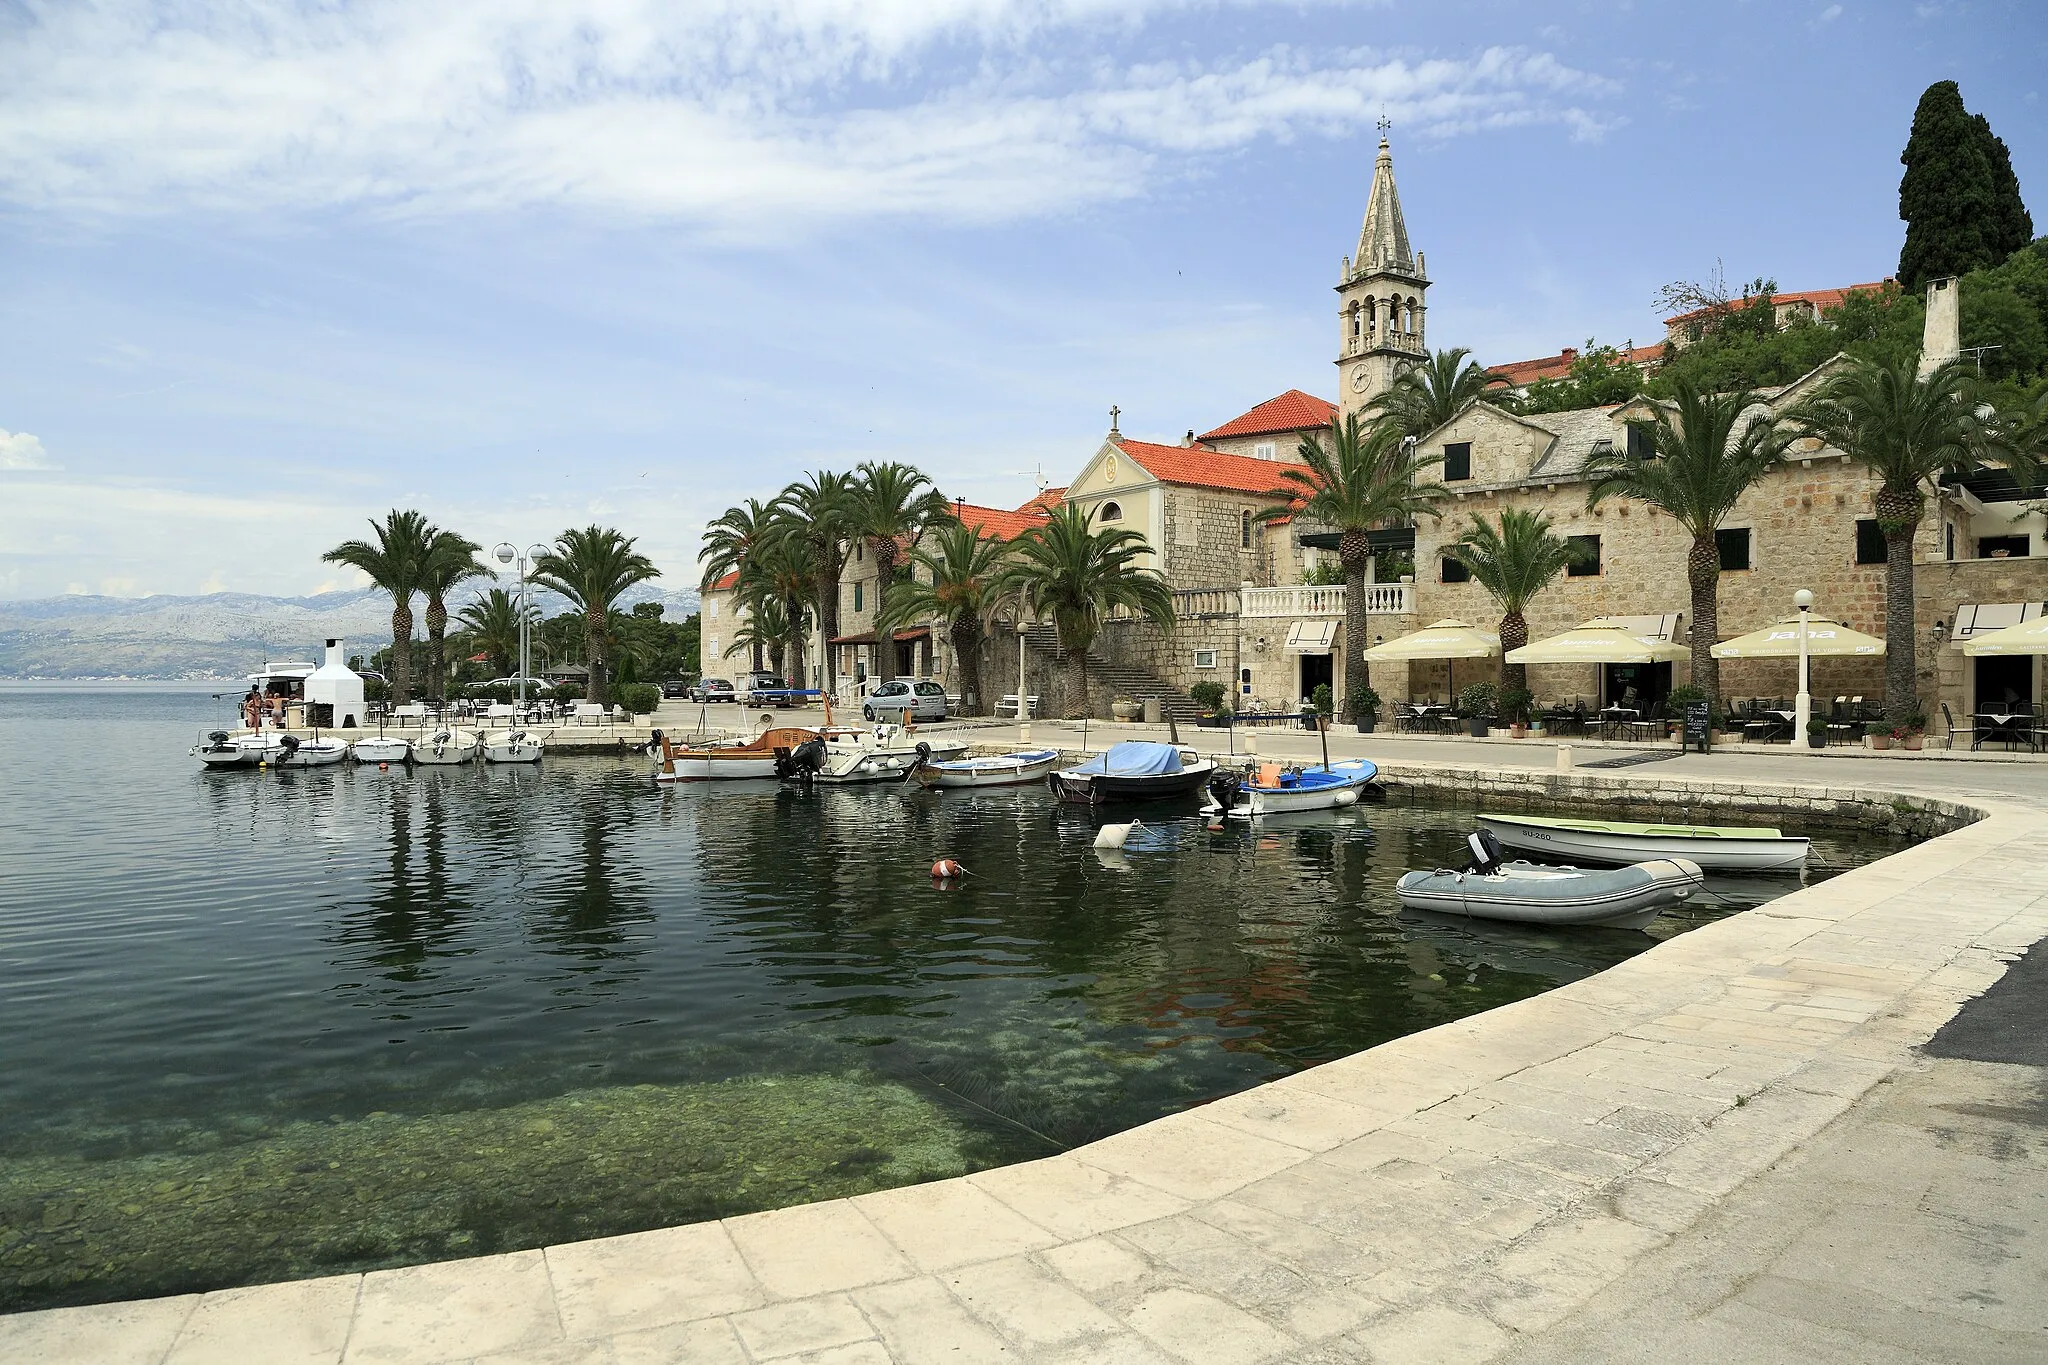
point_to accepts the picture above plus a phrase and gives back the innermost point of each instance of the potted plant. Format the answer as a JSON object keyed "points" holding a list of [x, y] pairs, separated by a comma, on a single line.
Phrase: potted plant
{"points": [[1209, 697], [1322, 700], [1126, 708], [1879, 735], [1478, 702], [1912, 734], [1514, 709], [1365, 708], [1817, 733]]}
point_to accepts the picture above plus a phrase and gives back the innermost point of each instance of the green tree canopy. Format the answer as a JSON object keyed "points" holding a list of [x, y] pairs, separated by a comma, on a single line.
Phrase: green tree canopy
{"points": [[1431, 393], [1599, 375], [1959, 197], [1077, 575], [592, 566]]}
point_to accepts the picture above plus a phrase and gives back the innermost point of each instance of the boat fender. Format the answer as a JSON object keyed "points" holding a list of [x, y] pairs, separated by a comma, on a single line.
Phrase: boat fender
{"points": [[945, 870], [383, 767]]}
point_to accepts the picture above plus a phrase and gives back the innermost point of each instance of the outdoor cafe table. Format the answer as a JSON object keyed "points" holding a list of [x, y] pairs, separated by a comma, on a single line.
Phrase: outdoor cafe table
{"points": [[1996, 727], [1611, 718]]}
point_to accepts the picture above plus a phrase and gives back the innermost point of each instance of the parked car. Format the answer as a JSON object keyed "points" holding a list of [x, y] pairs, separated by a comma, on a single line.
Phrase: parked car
{"points": [[675, 687], [713, 689], [901, 698], [759, 682]]}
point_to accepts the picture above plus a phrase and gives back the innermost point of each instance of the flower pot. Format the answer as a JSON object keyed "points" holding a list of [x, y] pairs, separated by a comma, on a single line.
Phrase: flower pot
{"points": [[1913, 741], [1126, 710], [1475, 726], [1517, 731], [1880, 742], [1365, 727], [1820, 741], [1209, 721]]}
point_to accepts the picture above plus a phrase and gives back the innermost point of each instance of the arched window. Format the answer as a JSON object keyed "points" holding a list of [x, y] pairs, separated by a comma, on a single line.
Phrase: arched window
{"points": [[1244, 530], [1109, 511]]}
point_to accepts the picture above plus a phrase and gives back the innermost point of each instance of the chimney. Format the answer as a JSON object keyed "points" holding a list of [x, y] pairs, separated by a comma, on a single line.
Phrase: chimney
{"points": [[1941, 342], [1188, 439], [334, 657], [1570, 354]]}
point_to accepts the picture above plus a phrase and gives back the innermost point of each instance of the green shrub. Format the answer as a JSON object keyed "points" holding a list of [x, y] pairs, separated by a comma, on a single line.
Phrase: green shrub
{"points": [[376, 689], [1365, 703], [566, 692], [1515, 704], [1207, 695], [1321, 699], [640, 699], [1479, 699]]}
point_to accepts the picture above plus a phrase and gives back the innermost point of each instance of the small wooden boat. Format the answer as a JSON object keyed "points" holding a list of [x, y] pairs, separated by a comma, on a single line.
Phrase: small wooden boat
{"points": [[449, 744], [381, 749], [309, 753], [765, 755], [883, 753], [1530, 893], [510, 746], [1271, 789], [1720, 847], [1000, 770], [1135, 770]]}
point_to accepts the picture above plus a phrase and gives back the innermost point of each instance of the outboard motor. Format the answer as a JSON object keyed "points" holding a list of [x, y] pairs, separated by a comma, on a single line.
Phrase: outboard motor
{"points": [[219, 740], [802, 762], [290, 745], [1487, 852], [1224, 789]]}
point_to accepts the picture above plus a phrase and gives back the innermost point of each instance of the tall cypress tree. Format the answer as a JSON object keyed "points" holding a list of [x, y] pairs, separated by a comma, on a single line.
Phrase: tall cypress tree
{"points": [[1959, 196]]}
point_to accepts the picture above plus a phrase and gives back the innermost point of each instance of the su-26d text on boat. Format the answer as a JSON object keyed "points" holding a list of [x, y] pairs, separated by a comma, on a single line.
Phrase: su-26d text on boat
{"points": [[1487, 888], [999, 770], [885, 753], [765, 755], [1273, 789], [1135, 770], [1717, 848]]}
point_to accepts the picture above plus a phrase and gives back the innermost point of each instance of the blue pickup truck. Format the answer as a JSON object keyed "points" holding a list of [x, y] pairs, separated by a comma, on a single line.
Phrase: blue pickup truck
{"points": [[766, 690]]}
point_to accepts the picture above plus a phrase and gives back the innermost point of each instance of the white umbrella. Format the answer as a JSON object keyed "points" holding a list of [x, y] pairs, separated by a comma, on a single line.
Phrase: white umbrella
{"points": [[2028, 637], [1824, 638], [1439, 640], [1599, 641]]}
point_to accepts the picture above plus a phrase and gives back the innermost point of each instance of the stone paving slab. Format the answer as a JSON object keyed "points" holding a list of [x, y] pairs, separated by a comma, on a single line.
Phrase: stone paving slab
{"points": [[1447, 1196]]}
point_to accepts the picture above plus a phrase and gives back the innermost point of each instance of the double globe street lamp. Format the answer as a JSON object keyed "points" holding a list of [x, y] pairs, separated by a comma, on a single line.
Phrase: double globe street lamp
{"points": [[506, 553]]}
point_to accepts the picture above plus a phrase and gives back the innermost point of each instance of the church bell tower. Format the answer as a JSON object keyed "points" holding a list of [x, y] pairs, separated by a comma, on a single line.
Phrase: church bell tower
{"points": [[1380, 294]]}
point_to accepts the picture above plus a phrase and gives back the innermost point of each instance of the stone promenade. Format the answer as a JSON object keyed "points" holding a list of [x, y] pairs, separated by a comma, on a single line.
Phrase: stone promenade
{"points": [[1592, 1173]]}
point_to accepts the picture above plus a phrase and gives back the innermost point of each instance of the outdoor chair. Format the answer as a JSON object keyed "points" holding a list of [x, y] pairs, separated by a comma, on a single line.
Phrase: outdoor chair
{"points": [[1406, 717], [1644, 728]]}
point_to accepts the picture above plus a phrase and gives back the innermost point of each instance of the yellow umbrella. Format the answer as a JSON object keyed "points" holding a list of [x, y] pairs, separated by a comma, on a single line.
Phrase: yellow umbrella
{"points": [[1599, 641], [2028, 637], [1824, 639], [1438, 640]]}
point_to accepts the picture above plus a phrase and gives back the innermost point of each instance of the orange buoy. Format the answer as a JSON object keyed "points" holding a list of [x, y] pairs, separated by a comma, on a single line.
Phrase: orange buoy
{"points": [[945, 869], [383, 767]]}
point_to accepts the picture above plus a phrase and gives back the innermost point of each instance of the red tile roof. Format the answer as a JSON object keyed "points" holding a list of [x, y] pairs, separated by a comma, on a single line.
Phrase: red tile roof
{"points": [[1821, 299], [726, 583], [1523, 372], [1291, 411], [1200, 467], [1048, 501], [996, 524]]}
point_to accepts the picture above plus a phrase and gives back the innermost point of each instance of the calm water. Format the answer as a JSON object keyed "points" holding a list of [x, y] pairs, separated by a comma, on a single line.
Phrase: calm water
{"points": [[262, 1025]]}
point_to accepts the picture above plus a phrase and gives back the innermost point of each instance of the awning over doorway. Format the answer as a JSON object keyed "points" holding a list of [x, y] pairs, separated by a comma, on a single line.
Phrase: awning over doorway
{"points": [[1981, 618], [1651, 629], [1311, 637], [2030, 637]]}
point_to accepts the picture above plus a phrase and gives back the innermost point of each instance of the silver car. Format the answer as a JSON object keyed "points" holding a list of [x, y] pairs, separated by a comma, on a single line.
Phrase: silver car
{"points": [[900, 698]]}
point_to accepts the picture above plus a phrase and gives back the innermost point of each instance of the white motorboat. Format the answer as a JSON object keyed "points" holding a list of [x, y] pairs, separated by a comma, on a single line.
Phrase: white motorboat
{"points": [[765, 755], [1529, 893], [999, 770], [882, 754], [219, 749], [511, 746], [1726, 848], [316, 752], [1271, 789], [381, 749], [449, 744]]}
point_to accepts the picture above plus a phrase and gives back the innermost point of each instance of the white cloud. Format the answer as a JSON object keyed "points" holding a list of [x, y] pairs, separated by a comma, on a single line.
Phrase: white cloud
{"points": [[1826, 16], [729, 113], [19, 450]]}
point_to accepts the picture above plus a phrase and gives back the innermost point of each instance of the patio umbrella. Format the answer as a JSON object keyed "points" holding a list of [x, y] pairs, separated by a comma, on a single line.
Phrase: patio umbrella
{"points": [[1439, 640], [1824, 638], [2029, 637], [1599, 641]]}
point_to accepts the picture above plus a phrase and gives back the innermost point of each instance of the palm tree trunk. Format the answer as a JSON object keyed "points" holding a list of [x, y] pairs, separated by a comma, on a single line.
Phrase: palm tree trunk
{"points": [[793, 610], [401, 654], [966, 635], [1703, 576], [828, 624], [885, 640], [593, 640], [1898, 513], [1077, 682], [437, 647], [1514, 633], [1354, 552]]}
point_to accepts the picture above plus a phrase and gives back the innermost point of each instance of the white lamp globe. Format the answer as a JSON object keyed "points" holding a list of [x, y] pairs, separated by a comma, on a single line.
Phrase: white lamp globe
{"points": [[1802, 600]]}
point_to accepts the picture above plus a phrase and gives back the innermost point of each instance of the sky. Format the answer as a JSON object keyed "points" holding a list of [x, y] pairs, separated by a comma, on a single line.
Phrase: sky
{"points": [[268, 269]]}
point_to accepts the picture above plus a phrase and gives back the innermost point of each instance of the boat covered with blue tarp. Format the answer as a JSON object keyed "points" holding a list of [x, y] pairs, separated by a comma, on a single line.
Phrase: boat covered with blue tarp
{"points": [[1134, 770]]}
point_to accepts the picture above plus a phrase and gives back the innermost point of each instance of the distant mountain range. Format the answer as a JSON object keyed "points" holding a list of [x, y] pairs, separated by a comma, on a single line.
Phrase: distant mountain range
{"points": [[220, 635]]}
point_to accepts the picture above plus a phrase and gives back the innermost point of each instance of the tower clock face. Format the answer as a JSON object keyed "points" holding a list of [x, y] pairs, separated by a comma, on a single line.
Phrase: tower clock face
{"points": [[1361, 379]]}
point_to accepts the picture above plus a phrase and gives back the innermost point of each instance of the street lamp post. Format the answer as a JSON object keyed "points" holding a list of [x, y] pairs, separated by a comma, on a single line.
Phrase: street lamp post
{"points": [[1802, 709], [507, 554]]}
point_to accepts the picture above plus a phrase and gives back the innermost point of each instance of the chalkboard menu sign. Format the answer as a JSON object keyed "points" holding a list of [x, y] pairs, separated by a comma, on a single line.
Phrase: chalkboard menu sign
{"points": [[1697, 721]]}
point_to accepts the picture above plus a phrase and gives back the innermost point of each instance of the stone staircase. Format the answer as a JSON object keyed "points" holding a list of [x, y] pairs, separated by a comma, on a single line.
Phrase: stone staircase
{"points": [[1137, 683]]}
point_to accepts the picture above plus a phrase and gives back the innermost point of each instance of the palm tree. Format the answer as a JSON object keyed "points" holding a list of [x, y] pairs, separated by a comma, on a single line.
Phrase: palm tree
{"points": [[964, 570], [592, 567], [1909, 431], [890, 508], [816, 513], [1514, 561], [766, 629], [779, 569], [393, 563], [1706, 450], [449, 560], [1364, 480], [1077, 576], [729, 539], [1427, 395], [493, 625]]}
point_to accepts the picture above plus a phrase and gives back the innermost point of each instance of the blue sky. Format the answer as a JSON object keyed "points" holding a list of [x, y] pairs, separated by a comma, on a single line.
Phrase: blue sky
{"points": [[271, 268]]}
